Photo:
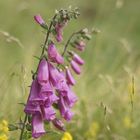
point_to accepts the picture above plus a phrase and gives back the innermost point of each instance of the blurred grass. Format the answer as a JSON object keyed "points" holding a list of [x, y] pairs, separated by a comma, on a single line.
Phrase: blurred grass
{"points": [[112, 58]]}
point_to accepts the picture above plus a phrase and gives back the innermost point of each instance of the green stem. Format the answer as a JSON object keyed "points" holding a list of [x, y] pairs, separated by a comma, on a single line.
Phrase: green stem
{"points": [[23, 127], [67, 44], [47, 36]]}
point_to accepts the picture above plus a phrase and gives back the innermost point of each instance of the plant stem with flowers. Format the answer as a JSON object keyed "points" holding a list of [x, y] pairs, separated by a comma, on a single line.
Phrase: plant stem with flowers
{"points": [[51, 88]]}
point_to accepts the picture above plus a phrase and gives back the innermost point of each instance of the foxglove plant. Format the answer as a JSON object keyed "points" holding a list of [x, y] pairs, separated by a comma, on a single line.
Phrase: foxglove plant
{"points": [[51, 88]]}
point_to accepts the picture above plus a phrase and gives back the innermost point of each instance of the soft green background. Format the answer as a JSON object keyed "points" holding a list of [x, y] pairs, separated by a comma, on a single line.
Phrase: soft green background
{"points": [[112, 59]]}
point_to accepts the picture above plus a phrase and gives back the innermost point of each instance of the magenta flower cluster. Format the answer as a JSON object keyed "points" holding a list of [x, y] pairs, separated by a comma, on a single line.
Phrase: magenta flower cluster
{"points": [[51, 88]]}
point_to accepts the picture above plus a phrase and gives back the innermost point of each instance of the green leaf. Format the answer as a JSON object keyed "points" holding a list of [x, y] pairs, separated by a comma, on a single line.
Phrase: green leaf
{"points": [[28, 127], [22, 104], [44, 26], [12, 127], [27, 135]]}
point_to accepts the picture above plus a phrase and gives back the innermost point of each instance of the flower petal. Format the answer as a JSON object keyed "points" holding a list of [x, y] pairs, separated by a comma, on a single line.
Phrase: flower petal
{"points": [[43, 74], [75, 67], [37, 126]]}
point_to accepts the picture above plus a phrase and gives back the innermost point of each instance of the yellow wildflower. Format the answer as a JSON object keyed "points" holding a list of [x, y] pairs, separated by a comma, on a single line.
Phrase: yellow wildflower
{"points": [[127, 122], [1, 127], [4, 122], [3, 137], [5, 129], [93, 130], [67, 136], [4, 126]]}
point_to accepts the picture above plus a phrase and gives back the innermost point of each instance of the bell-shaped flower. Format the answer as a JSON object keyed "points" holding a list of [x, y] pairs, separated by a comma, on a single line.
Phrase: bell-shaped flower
{"points": [[70, 98], [69, 77], [34, 97], [51, 100], [43, 73], [56, 77], [39, 19], [64, 109], [68, 115], [32, 109], [37, 126], [80, 45], [53, 54], [62, 87], [48, 113], [58, 124], [46, 90], [78, 59], [59, 37], [75, 67], [59, 30]]}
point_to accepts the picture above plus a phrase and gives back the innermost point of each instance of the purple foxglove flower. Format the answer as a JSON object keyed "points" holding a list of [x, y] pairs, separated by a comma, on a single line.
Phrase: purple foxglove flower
{"points": [[51, 99], [55, 76], [62, 86], [37, 126], [32, 109], [43, 73], [78, 59], [53, 54], [59, 37], [68, 115], [46, 90], [75, 67], [58, 124], [34, 97], [59, 32], [64, 109], [48, 113], [80, 46], [39, 19], [69, 77], [70, 98]]}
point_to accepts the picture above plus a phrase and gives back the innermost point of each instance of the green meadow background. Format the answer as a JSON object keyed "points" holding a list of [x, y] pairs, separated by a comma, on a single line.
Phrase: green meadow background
{"points": [[107, 109]]}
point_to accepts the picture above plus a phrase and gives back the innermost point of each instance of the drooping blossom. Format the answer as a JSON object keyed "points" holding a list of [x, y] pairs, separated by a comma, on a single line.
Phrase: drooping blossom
{"points": [[46, 90], [39, 19], [59, 30], [42, 73], [58, 124], [57, 78], [78, 59], [75, 67], [31, 109], [53, 54], [65, 109], [70, 98], [69, 77], [37, 126], [80, 45], [48, 113], [51, 100]]}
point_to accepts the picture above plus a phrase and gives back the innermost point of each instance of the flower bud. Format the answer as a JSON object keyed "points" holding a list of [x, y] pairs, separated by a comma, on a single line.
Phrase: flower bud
{"points": [[39, 19], [78, 59], [80, 45], [75, 67], [58, 124], [69, 77], [53, 54], [42, 73]]}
